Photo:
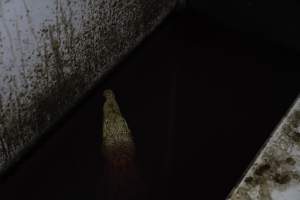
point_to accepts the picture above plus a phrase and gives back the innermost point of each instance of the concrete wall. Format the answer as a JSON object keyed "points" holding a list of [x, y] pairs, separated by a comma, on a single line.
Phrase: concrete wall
{"points": [[53, 51], [278, 21]]}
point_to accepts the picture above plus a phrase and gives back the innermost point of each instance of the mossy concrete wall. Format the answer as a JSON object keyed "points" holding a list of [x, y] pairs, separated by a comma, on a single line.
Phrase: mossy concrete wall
{"points": [[53, 51], [275, 173]]}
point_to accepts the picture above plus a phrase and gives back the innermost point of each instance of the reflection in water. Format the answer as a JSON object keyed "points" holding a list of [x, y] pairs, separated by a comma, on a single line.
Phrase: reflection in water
{"points": [[119, 153]]}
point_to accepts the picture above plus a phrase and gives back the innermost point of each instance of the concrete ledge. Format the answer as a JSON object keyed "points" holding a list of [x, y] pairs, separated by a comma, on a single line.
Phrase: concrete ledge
{"points": [[53, 52], [275, 173]]}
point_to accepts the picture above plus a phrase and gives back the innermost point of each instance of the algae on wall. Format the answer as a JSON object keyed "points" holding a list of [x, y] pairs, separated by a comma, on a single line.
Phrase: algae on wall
{"points": [[275, 174], [53, 51]]}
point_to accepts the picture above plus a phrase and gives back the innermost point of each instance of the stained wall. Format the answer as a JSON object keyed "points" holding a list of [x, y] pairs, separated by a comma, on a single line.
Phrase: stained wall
{"points": [[53, 51]]}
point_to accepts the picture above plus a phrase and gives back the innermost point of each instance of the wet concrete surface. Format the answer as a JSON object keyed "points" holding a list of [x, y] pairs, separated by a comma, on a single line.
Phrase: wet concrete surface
{"points": [[200, 100]]}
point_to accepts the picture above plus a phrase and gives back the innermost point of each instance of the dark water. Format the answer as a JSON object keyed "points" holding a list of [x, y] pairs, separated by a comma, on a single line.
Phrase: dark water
{"points": [[200, 99]]}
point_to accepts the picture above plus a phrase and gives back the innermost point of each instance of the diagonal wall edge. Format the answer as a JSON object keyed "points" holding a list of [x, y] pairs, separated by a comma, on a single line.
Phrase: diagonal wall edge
{"points": [[53, 52], [275, 172]]}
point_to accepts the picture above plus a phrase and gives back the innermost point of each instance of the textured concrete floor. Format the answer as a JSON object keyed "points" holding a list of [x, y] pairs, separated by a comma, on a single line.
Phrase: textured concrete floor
{"points": [[200, 100]]}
